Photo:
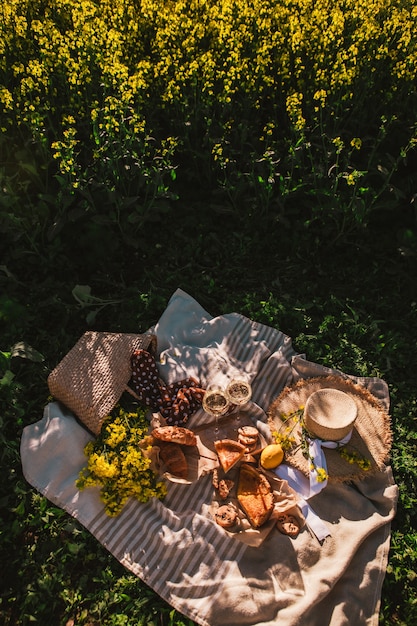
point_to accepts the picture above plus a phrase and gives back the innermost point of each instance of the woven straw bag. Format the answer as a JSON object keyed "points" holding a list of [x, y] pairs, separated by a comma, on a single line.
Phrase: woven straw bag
{"points": [[92, 377]]}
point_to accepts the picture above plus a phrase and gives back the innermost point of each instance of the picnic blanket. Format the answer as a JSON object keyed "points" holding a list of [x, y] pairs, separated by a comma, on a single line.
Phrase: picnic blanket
{"points": [[175, 547]]}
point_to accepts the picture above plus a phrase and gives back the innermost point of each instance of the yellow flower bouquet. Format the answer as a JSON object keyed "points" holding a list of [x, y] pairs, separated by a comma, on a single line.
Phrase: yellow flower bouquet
{"points": [[119, 462]]}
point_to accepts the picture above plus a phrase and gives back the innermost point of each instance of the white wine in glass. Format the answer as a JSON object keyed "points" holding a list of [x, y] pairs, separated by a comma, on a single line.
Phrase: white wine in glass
{"points": [[216, 403], [238, 392]]}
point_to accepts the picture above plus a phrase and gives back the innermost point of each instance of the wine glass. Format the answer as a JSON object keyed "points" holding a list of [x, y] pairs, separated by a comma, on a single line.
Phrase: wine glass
{"points": [[238, 391], [216, 403]]}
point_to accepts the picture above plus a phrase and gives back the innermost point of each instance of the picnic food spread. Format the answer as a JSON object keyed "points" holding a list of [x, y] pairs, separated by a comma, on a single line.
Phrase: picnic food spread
{"points": [[248, 494], [296, 520], [325, 414]]}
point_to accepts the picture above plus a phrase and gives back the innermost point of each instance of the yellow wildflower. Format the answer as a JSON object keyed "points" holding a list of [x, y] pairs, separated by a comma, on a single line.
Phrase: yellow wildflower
{"points": [[356, 143], [321, 474], [118, 465]]}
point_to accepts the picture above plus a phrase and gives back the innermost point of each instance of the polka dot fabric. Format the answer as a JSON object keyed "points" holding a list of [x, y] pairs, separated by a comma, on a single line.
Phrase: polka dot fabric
{"points": [[176, 402]]}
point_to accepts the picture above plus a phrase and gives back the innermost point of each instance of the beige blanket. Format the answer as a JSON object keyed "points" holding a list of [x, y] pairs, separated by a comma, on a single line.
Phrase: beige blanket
{"points": [[175, 546]]}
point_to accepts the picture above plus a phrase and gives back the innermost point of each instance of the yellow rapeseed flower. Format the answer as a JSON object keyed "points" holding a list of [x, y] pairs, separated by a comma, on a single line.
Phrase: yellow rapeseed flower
{"points": [[6, 98], [118, 465], [113, 62]]}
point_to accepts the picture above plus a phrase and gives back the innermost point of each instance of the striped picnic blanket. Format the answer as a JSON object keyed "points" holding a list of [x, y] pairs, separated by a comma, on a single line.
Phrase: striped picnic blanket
{"points": [[174, 545]]}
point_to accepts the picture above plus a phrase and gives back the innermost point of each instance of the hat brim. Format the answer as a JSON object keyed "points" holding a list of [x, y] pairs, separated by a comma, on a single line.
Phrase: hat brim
{"points": [[371, 438]]}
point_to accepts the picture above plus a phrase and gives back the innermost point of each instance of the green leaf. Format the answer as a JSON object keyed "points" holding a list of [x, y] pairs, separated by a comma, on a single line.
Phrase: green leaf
{"points": [[20, 509], [73, 548], [7, 379], [90, 318], [82, 293]]}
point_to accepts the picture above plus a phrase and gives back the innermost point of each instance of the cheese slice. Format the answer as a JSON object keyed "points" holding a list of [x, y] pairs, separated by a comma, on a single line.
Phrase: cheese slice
{"points": [[229, 452]]}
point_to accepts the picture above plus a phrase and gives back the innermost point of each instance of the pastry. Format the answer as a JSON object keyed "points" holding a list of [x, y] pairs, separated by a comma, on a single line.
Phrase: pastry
{"points": [[247, 440], [255, 496], [288, 524], [229, 452], [175, 434], [248, 436], [250, 448], [224, 488], [215, 478], [226, 516], [248, 431], [174, 459], [249, 458]]}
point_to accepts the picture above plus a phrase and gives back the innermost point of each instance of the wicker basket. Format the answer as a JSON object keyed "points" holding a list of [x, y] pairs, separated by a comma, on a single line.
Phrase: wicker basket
{"points": [[92, 377]]}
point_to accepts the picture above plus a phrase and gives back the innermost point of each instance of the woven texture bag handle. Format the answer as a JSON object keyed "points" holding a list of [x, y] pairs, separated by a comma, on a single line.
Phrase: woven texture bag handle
{"points": [[92, 377]]}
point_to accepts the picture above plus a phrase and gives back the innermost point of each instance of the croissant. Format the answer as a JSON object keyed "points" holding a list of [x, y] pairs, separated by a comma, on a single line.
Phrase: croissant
{"points": [[174, 459]]}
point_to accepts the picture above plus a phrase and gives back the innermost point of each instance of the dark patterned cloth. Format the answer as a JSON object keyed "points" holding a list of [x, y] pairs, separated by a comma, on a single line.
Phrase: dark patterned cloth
{"points": [[176, 402]]}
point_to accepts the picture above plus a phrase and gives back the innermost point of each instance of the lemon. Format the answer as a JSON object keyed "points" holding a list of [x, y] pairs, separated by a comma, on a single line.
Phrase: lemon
{"points": [[272, 456]]}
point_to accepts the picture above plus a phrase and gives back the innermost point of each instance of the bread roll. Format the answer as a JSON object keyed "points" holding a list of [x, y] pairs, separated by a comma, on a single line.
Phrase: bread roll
{"points": [[174, 459], [175, 434]]}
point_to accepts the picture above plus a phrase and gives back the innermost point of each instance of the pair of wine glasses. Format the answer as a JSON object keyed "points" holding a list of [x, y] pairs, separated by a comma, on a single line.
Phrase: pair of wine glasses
{"points": [[218, 400]]}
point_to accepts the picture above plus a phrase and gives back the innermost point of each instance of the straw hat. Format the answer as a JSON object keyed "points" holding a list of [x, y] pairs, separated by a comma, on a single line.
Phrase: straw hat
{"points": [[333, 409]]}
